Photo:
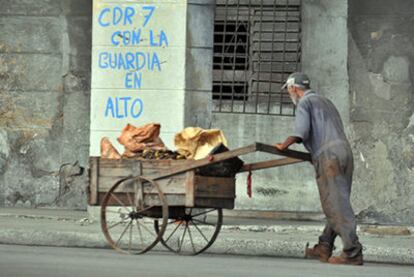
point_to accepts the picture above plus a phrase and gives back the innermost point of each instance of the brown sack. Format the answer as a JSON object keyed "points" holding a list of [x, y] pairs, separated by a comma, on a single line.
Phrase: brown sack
{"points": [[137, 138], [108, 151]]}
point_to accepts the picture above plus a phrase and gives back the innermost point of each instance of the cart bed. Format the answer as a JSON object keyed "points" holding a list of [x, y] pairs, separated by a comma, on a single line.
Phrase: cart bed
{"points": [[184, 189]]}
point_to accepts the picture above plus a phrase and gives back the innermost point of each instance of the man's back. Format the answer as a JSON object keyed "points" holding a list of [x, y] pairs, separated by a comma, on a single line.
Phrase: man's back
{"points": [[318, 123]]}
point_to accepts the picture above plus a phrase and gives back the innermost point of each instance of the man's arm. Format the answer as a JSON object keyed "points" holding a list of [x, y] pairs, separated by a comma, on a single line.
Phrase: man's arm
{"points": [[288, 142], [302, 127]]}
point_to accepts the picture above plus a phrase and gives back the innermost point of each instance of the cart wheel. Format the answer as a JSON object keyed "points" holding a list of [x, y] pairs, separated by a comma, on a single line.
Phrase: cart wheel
{"points": [[193, 232], [123, 214]]}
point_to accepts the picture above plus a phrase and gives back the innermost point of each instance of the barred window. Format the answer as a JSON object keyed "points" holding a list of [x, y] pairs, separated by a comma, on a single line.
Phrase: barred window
{"points": [[257, 44]]}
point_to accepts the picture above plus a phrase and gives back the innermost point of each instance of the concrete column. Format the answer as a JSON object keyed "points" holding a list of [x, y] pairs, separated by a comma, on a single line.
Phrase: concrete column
{"points": [[325, 50], [199, 63], [138, 67]]}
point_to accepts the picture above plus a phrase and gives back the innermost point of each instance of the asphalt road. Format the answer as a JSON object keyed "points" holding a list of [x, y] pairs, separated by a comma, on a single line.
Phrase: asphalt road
{"points": [[16, 261]]}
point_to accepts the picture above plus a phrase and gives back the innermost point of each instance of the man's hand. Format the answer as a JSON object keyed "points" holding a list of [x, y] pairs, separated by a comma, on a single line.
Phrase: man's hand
{"points": [[288, 142], [280, 146]]}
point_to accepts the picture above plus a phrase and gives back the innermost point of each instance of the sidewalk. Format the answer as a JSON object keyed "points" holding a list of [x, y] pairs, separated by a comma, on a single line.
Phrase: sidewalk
{"points": [[259, 237]]}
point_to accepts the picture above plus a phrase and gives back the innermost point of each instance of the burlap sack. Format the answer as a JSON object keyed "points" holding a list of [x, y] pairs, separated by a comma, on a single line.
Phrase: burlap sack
{"points": [[108, 151], [137, 138]]}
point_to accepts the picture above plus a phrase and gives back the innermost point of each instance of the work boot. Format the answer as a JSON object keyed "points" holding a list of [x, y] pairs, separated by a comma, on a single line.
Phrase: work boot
{"points": [[344, 259], [320, 251]]}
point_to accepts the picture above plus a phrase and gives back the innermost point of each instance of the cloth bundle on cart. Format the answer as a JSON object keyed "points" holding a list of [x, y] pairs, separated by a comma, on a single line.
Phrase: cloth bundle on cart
{"points": [[196, 143]]}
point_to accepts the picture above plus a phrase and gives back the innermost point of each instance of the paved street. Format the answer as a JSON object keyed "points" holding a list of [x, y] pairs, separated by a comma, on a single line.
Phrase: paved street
{"points": [[29, 261]]}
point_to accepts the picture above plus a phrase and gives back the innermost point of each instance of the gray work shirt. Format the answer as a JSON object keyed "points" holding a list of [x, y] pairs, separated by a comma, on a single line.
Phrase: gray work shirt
{"points": [[318, 123]]}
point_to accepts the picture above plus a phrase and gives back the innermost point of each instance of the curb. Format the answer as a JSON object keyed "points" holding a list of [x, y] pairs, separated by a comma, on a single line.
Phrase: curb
{"points": [[288, 248], [370, 229], [361, 229]]}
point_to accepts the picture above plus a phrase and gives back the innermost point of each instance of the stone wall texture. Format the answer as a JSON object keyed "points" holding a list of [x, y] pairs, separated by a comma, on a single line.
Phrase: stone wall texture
{"points": [[380, 59], [45, 49]]}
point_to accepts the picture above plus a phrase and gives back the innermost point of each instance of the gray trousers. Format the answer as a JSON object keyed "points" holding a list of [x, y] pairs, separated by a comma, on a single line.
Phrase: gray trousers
{"points": [[334, 168]]}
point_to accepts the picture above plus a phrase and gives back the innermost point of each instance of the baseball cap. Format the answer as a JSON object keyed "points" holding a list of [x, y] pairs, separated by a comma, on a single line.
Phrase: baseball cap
{"points": [[297, 78]]}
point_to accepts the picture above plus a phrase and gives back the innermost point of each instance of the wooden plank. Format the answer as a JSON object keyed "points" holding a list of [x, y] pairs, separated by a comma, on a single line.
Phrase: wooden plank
{"points": [[149, 200], [214, 203], [207, 161], [119, 168], [172, 199], [150, 163], [112, 202], [189, 189], [288, 153], [119, 171], [93, 180], [173, 185], [214, 187], [125, 167], [269, 164], [153, 169], [111, 163], [235, 153]]}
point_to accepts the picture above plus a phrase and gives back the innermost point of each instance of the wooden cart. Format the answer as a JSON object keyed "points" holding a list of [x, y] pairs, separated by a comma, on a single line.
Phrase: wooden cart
{"points": [[144, 202]]}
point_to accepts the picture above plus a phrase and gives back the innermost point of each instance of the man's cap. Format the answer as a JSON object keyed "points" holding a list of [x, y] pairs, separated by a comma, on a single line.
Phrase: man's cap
{"points": [[297, 78]]}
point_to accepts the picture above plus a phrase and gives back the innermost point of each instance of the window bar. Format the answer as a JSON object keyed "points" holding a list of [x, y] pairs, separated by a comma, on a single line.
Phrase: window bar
{"points": [[247, 60], [299, 44], [223, 55], [271, 59], [299, 38], [276, 58], [259, 56], [236, 30], [284, 57]]}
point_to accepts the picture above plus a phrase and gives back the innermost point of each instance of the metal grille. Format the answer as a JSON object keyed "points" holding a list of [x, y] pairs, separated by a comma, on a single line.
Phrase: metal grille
{"points": [[257, 44]]}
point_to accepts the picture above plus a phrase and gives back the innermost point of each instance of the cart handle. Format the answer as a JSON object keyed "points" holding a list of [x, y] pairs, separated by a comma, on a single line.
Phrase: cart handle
{"points": [[269, 164], [297, 155]]}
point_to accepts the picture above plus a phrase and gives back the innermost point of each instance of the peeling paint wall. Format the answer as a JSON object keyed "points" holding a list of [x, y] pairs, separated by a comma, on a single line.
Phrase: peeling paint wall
{"points": [[380, 58], [44, 102]]}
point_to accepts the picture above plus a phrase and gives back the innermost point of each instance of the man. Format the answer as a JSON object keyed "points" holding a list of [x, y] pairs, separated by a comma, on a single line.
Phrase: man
{"points": [[319, 127]]}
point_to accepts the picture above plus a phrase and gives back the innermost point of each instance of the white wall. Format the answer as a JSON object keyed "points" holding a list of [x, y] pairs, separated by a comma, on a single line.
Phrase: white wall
{"points": [[157, 93]]}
